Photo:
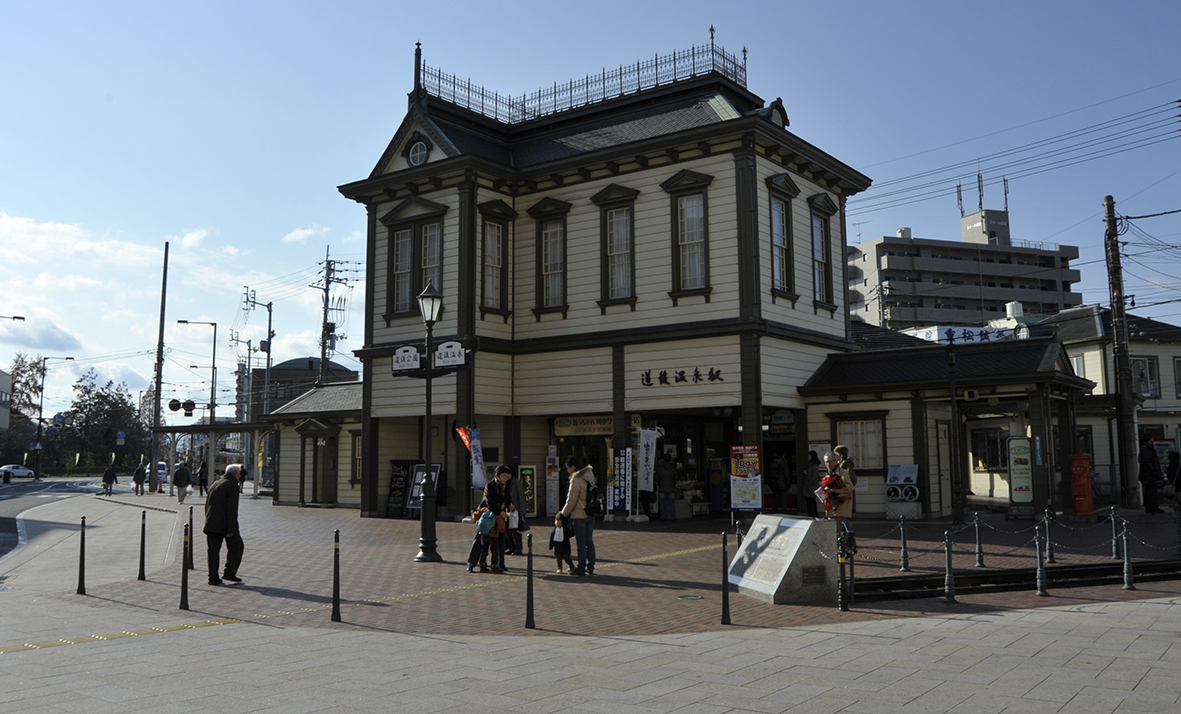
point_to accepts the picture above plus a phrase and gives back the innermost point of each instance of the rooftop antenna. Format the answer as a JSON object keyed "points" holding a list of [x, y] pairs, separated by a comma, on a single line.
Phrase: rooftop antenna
{"points": [[1006, 182], [959, 198], [980, 187], [858, 227]]}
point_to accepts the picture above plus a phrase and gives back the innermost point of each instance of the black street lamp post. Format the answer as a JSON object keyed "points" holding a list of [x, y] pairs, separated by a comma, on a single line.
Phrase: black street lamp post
{"points": [[41, 416], [430, 302]]}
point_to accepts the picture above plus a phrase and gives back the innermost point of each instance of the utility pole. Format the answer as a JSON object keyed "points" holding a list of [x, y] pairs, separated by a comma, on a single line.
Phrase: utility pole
{"points": [[328, 329], [152, 454], [1125, 406]]}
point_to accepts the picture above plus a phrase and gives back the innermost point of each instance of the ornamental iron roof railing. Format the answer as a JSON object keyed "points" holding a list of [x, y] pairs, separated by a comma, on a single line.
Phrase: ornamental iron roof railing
{"points": [[609, 84]]}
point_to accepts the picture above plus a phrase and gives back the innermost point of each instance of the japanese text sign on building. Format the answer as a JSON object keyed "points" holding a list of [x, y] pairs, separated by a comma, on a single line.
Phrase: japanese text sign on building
{"points": [[660, 377], [450, 354], [406, 358]]}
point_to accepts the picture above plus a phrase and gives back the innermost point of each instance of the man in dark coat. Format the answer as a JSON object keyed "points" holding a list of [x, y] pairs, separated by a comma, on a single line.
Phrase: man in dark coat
{"points": [[1150, 473], [221, 525], [182, 479]]}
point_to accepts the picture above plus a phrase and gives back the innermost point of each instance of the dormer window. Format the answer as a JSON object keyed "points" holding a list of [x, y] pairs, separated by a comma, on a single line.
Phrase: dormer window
{"points": [[418, 149]]}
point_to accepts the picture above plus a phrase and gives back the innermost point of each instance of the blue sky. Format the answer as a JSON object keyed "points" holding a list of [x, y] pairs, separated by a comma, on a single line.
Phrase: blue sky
{"points": [[224, 129]]}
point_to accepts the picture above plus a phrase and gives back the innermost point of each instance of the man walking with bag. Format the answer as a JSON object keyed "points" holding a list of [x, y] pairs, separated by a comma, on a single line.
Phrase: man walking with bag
{"points": [[221, 525]]}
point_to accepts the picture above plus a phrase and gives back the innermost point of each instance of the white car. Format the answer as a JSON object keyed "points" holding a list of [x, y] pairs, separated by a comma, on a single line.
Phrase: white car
{"points": [[17, 471], [162, 471]]}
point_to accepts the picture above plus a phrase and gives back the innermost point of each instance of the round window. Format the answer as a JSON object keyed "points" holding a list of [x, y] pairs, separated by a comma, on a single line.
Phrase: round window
{"points": [[418, 152]]}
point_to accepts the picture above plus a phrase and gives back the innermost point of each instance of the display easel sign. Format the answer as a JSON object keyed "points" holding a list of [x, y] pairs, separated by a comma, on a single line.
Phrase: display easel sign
{"points": [[415, 502]]}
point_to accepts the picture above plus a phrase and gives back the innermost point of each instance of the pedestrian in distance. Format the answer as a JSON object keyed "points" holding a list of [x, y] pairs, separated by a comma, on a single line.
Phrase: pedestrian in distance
{"points": [[1150, 473], [780, 482], [109, 480], [221, 526], [809, 483], [183, 482], [666, 484], [514, 541], [203, 478], [1172, 474], [559, 543], [138, 477], [575, 510]]}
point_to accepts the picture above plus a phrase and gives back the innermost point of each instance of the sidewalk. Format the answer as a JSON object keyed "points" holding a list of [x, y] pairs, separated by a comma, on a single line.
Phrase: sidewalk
{"points": [[432, 637]]}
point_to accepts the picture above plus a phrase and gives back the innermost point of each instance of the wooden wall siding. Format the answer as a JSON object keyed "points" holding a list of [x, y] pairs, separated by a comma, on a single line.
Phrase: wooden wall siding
{"points": [[397, 439], [787, 365], [574, 382], [1094, 369], [410, 329], [288, 466], [781, 309], [493, 384], [347, 494], [404, 396], [652, 242], [720, 353], [535, 441]]}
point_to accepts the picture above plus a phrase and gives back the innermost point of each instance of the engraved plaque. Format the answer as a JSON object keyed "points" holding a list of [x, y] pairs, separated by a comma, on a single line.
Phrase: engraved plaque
{"points": [[812, 576]]}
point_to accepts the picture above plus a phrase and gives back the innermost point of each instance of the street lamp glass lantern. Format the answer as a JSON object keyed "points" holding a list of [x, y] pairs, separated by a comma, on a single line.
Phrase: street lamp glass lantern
{"points": [[430, 301]]}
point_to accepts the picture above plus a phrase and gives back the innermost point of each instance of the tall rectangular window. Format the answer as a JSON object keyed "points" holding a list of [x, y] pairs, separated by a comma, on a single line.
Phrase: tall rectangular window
{"points": [[403, 274], [619, 253], [780, 247], [493, 265], [550, 216], [822, 283], [691, 241], [432, 254], [553, 263]]}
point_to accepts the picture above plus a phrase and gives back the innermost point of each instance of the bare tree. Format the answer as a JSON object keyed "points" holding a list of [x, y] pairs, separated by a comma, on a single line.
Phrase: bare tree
{"points": [[27, 377]]}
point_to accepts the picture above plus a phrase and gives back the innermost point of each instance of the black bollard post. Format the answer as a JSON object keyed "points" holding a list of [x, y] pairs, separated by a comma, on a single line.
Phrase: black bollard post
{"points": [[850, 553], [948, 577], [842, 586], [143, 540], [905, 553], [1049, 543], [738, 535], [1128, 584], [725, 582], [336, 575], [82, 559], [189, 562], [1114, 536], [529, 623], [979, 545], [184, 575], [1040, 577]]}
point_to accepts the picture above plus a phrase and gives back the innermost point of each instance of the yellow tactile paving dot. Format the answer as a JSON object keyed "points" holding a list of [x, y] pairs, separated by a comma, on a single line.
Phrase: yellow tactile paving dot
{"points": [[115, 635]]}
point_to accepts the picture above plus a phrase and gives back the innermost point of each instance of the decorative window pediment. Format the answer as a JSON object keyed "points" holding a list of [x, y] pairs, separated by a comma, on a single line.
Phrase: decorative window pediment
{"points": [[614, 194], [413, 207], [783, 184], [686, 180], [316, 427], [823, 203], [548, 206], [497, 210]]}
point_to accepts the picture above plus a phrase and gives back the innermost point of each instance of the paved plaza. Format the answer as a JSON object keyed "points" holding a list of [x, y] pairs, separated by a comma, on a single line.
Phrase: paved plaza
{"points": [[644, 635]]}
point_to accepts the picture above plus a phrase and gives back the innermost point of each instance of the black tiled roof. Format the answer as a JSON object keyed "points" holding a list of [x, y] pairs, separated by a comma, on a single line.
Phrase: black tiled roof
{"points": [[872, 337], [1092, 322], [916, 365], [341, 397]]}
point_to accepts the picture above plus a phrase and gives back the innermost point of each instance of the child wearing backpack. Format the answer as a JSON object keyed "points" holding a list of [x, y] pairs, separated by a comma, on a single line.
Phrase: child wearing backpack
{"points": [[559, 543]]}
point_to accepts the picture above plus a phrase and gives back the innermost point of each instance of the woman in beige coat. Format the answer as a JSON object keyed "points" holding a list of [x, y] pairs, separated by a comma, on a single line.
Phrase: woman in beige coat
{"points": [[575, 512]]}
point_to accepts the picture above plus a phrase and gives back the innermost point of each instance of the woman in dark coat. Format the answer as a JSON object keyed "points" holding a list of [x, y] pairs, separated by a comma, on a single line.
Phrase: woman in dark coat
{"points": [[496, 500]]}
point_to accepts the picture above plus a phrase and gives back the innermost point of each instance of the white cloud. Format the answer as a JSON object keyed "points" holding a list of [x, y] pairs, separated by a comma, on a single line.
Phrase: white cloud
{"points": [[24, 241], [354, 237], [301, 235], [192, 239], [231, 250]]}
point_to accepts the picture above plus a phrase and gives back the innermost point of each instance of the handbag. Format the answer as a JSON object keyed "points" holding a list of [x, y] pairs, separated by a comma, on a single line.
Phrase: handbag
{"points": [[513, 519]]}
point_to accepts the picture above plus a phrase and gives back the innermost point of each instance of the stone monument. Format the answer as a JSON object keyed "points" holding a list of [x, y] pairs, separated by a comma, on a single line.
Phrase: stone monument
{"points": [[787, 560]]}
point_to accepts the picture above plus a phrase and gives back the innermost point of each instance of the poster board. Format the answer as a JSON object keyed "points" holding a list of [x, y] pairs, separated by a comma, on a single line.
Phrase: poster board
{"points": [[1020, 457], [400, 474], [528, 476], [414, 503], [746, 481]]}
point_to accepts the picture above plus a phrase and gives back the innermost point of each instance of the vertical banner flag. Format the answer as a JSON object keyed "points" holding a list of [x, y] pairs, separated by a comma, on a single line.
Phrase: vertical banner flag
{"points": [[646, 465], [620, 493], [471, 439], [746, 489]]}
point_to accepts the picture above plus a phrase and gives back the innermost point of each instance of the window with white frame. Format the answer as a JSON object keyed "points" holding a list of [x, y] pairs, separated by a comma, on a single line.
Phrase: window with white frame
{"points": [[780, 245], [493, 265], [553, 263], [550, 217], [1145, 379], [821, 280], [620, 256], [415, 254], [1076, 363], [691, 241], [865, 439], [1177, 375]]}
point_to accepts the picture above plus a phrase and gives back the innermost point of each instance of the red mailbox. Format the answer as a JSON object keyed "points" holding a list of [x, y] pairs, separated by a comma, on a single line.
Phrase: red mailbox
{"points": [[1080, 477]]}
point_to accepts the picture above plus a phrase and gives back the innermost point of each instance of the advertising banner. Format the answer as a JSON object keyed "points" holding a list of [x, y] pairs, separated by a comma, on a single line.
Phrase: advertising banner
{"points": [[746, 483]]}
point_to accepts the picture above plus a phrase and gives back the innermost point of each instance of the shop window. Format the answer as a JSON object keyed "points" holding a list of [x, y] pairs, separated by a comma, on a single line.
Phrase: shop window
{"points": [[1145, 379], [989, 449]]}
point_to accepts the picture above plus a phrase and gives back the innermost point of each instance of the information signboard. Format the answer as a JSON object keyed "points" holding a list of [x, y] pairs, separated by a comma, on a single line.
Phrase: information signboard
{"points": [[746, 483]]}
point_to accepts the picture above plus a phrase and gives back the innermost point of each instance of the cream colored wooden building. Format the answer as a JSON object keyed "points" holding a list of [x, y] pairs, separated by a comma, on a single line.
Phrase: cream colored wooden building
{"points": [[649, 244]]}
